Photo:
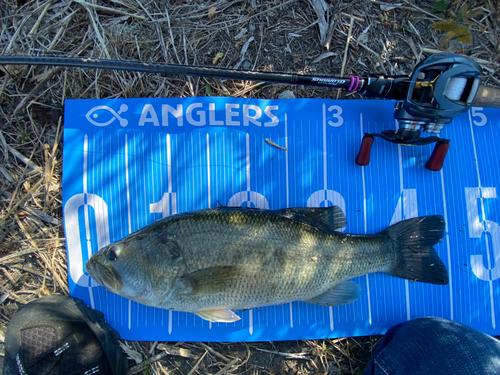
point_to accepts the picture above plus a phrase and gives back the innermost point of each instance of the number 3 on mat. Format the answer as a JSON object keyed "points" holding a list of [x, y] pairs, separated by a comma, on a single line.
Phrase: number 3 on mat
{"points": [[336, 112]]}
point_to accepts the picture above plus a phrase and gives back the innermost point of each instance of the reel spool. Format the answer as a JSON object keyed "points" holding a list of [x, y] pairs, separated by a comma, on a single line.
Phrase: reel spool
{"points": [[441, 87]]}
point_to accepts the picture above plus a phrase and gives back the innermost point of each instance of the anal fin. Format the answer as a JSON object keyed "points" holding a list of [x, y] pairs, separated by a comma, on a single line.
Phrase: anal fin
{"points": [[341, 294], [218, 316]]}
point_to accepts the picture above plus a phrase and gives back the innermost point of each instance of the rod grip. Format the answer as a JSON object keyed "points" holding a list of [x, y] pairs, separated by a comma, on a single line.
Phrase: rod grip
{"points": [[487, 97]]}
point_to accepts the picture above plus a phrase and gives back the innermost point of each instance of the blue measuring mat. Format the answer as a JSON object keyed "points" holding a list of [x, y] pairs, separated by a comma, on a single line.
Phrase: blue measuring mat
{"points": [[129, 162]]}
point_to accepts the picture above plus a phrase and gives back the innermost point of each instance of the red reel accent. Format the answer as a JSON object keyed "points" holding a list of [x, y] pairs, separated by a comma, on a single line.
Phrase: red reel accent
{"points": [[363, 157], [435, 162]]}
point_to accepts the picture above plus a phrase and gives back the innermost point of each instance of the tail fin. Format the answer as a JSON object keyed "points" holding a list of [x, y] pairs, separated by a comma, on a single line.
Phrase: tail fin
{"points": [[418, 260]]}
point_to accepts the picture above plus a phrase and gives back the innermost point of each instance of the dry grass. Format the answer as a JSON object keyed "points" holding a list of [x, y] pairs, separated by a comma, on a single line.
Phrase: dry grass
{"points": [[351, 37]]}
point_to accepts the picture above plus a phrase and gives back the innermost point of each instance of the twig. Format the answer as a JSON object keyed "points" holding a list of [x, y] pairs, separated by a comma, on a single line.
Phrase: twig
{"points": [[18, 255], [96, 28], [20, 27], [347, 46], [29, 269], [420, 10], [48, 265], [195, 367], [11, 279], [228, 366], [5, 80], [12, 295], [217, 354], [41, 84], [62, 30], [24, 159], [42, 216], [12, 207], [344, 60], [286, 355], [109, 10], [414, 49], [141, 366], [355, 18], [6, 174], [172, 36], [35, 27], [246, 19], [243, 51], [387, 57], [376, 55], [189, 79], [267, 140], [174, 350], [4, 144]]}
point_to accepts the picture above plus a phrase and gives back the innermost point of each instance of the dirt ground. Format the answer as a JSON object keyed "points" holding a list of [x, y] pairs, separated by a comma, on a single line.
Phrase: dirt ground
{"points": [[331, 38]]}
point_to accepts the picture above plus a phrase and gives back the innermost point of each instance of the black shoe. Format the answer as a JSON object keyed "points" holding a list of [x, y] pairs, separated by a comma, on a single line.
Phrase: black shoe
{"points": [[59, 335]]}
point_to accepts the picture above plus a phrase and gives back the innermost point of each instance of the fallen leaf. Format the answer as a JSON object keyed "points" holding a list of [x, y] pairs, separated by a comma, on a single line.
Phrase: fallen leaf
{"points": [[474, 12], [458, 32], [461, 31], [211, 12], [467, 39], [445, 25], [208, 90], [324, 56], [440, 6], [219, 56], [320, 8], [461, 13]]}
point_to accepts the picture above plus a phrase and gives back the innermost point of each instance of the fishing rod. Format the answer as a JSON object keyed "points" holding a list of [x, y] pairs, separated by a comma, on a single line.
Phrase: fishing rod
{"points": [[441, 87]]}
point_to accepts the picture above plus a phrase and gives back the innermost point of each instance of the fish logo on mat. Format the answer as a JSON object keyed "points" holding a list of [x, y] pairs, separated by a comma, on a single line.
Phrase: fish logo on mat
{"points": [[98, 115]]}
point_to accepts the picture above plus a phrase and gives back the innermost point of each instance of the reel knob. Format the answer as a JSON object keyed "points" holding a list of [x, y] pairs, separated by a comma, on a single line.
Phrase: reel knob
{"points": [[363, 157], [435, 162]]}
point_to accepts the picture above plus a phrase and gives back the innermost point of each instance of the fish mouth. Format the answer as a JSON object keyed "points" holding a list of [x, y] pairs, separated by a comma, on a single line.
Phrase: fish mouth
{"points": [[106, 276]]}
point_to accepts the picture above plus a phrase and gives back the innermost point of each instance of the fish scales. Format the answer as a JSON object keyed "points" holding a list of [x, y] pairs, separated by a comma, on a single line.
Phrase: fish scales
{"points": [[275, 254], [211, 261]]}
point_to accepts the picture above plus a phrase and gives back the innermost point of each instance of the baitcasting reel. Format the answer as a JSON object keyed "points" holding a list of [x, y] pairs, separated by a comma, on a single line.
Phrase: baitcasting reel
{"points": [[441, 87]]}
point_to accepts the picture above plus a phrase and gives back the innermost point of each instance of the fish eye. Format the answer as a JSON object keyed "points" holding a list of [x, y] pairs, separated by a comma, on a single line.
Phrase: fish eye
{"points": [[113, 253]]}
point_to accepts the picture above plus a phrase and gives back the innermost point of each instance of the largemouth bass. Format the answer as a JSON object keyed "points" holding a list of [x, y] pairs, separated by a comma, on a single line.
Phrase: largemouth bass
{"points": [[210, 262]]}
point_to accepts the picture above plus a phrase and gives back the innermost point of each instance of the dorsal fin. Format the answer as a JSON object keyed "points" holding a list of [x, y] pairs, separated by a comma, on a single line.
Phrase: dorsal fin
{"points": [[332, 218]]}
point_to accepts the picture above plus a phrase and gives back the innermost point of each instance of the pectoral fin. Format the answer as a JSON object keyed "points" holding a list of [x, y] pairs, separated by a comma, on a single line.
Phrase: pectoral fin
{"points": [[218, 316], [341, 294], [212, 280]]}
